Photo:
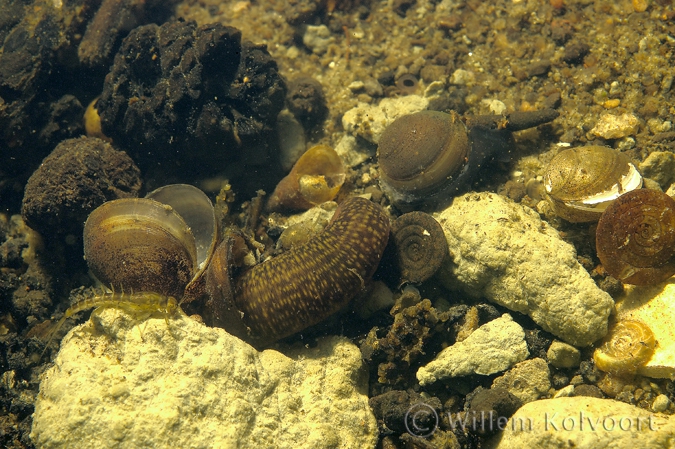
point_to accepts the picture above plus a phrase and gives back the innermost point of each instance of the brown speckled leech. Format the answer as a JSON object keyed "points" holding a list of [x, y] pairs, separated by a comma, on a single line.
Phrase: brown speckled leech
{"points": [[303, 286]]}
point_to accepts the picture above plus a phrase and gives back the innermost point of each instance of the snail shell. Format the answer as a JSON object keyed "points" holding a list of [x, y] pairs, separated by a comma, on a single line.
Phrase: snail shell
{"points": [[635, 238], [146, 244], [628, 346], [421, 153], [420, 246], [582, 182]]}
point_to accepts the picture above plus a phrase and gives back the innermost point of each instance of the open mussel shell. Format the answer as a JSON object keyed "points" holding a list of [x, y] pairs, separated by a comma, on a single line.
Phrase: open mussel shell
{"points": [[196, 209], [142, 244], [581, 182]]}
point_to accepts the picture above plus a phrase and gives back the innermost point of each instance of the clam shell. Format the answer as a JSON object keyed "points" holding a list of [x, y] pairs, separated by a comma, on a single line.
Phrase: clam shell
{"points": [[140, 244], [581, 182]]}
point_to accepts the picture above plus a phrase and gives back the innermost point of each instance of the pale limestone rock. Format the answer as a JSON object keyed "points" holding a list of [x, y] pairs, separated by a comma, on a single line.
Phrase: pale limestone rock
{"points": [[584, 423], [128, 382], [369, 121], [562, 355], [610, 126], [654, 306], [317, 38], [528, 380], [495, 346], [504, 252], [351, 153], [659, 166]]}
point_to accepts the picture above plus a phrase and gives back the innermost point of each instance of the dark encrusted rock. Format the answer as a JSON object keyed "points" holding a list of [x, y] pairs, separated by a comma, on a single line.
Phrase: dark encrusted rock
{"points": [[78, 176], [190, 98], [393, 408], [305, 99]]}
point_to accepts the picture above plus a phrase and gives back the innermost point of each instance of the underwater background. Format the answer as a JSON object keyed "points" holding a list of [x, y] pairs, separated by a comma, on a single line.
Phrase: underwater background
{"points": [[273, 108]]}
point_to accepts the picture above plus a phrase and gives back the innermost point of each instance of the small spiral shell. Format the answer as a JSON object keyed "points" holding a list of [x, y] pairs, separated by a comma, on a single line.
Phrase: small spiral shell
{"points": [[635, 238], [628, 346], [420, 246]]}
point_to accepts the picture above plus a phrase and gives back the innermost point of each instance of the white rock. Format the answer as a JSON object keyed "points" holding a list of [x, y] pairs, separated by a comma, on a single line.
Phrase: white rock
{"points": [[610, 126], [369, 121], [351, 153], [317, 38], [584, 423], [654, 306], [125, 382], [661, 403], [495, 346], [504, 252]]}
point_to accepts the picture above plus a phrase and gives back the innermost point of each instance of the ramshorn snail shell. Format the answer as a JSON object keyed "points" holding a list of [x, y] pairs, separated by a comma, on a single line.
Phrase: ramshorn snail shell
{"points": [[420, 246], [144, 245], [581, 182], [635, 238], [628, 346]]}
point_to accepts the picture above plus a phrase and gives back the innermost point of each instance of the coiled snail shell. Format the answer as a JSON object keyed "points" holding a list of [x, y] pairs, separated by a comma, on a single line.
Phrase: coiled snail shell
{"points": [[628, 346], [635, 238], [159, 244], [582, 182]]}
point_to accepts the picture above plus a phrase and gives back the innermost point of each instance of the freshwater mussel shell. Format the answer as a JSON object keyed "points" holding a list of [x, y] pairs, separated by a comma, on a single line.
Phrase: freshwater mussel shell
{"points": [[581, 182], [635, 237], [420, 153], [139, 244]]}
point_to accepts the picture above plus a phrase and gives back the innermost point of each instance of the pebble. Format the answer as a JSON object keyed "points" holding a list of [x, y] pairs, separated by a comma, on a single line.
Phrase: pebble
{"points": [[500, 343], [659, 166], [562, 355], [121, 382], [351, 153], [661, 403], [504, 252], [317, 38], [584, 423], [610, 126], [369, 121], [528, 380]]}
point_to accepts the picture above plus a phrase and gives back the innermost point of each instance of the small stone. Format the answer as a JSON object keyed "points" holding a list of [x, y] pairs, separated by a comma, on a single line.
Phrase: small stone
{"points": [[462, 77], [317, 38], [659, 166], [585, 422], [562, 355], [611, 126], [661, 403], [369, 121], [565, 392], [351, 153], [528, 380], [500, 343]]}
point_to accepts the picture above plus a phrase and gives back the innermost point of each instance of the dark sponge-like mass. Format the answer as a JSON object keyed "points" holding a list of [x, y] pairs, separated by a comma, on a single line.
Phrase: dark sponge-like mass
{"points": [[195, 96]]}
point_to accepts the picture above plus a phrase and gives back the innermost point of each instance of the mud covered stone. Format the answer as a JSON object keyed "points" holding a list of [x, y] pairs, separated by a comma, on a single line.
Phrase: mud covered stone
{"points": [[78, 176], [197, 96]]}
